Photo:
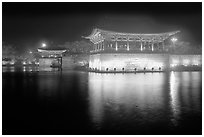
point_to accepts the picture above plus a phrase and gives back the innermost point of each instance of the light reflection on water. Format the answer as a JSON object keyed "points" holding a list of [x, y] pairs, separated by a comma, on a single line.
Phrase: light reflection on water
{"points": [[142, 103], [127, 97], [143, 99], [175, 104], [28, 69]]}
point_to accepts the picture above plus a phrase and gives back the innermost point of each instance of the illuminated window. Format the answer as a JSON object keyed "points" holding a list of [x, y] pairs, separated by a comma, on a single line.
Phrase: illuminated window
{"points": [[186, 62], [196, 62], [175, 61]]}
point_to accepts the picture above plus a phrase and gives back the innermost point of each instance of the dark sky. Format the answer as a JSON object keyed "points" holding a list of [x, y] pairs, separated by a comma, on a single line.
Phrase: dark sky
{"points": [[27, 24]]}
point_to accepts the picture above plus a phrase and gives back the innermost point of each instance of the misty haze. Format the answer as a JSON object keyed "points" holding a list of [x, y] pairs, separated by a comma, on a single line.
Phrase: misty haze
{"points": [[101, 68]]}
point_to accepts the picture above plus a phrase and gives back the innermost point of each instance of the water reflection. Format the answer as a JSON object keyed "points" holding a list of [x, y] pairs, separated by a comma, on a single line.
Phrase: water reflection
{"points": [[8, 69], [185, 93], [93, 103], [116, 100], [175, 106], [20, 68], [127, 98], [48, 69], [28, 69]]}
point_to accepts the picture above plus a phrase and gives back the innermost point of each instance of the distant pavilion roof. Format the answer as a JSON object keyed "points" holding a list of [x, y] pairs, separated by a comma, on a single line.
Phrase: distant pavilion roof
{"points": [[51, 50]]}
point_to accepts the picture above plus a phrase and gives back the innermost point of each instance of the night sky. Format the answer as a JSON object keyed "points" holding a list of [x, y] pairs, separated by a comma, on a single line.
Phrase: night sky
{"points": [[26, 25]]}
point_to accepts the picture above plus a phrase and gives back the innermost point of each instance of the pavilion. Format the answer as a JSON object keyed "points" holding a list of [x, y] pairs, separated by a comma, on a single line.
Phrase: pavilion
{"points": [[118, 51], [51, 57], [104, 40]]}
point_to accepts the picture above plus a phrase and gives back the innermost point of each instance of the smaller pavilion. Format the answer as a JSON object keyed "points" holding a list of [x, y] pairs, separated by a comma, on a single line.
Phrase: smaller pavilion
{"points": [[51, 57]]}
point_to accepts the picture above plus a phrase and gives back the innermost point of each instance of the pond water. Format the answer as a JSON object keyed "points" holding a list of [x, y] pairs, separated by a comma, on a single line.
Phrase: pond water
{"points": [[77, 102]]}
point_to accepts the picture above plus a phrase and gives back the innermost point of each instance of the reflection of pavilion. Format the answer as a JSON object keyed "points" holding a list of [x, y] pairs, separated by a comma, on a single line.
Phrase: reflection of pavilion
{"points": [[51, 57], [127, 98], [145, 99]]}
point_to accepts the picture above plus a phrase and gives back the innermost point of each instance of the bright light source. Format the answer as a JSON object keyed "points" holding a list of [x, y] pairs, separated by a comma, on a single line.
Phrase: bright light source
{"points": [[174, 39], [173, 65], [12, 63], [175, 61], [30, 52], [44, 45], [196, 62], [24, 63]]}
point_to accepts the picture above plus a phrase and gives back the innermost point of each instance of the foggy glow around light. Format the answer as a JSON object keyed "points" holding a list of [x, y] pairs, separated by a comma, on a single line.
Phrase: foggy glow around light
{"points": [[196, 62], [128, 48], [186, 62], [174, 39], [24, 69], [44, 45], [174, 63]]}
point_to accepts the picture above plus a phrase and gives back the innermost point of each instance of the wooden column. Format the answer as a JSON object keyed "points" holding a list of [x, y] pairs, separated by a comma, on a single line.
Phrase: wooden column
{"points": [[152, 46], [128, 47], [141, 46], [95, 46], [100, 45], [116, 45]]}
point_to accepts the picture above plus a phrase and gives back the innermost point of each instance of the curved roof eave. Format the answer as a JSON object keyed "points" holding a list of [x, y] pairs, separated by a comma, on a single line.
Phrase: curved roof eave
{"points": [[50, 50], [133, 34]]}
